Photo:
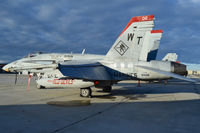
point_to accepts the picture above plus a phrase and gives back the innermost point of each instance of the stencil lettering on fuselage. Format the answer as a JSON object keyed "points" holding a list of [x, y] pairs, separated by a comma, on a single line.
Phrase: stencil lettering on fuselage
{"points": [[121, 47], [61, 81]]}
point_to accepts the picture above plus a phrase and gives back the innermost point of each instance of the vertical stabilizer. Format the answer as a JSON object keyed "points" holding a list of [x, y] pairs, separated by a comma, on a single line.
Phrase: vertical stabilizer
{"points": [[154, 43], [130, 42]]}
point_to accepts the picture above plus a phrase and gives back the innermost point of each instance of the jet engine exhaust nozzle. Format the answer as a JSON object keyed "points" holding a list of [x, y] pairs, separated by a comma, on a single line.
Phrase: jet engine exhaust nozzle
{"points": [[179, 68]]}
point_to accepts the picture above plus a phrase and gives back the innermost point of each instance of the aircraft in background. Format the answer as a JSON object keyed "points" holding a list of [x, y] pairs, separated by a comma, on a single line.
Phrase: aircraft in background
{"points": [[130, 58], [44, 66], [170, 57]]}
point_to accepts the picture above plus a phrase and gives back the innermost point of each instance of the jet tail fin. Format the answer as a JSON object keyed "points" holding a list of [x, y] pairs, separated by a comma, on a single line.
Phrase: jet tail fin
{"points": [[154, 44], [129, 44], [151, 44]]}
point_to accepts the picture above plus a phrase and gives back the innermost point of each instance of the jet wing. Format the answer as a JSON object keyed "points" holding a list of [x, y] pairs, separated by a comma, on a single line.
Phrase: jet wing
{"points": [[168, 74], [35, 67], [42, 62], [84, 70]]}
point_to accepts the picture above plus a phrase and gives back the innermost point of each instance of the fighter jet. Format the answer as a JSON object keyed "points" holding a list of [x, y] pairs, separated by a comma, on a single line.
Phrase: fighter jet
{"points": [[128, 59], [44, 67]]}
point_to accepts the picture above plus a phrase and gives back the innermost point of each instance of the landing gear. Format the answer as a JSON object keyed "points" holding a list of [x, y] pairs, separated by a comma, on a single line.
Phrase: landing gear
{"points": [[107, 89], [40, 87], [86, 92], [138, 85]]}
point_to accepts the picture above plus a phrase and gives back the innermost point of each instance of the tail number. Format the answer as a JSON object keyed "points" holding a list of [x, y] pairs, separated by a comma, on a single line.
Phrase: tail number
{"points": [[145, 18]]}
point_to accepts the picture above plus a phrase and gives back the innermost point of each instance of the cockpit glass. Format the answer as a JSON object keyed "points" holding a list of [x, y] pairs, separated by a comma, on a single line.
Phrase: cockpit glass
{"points": [[33, 55], [29, 56]]}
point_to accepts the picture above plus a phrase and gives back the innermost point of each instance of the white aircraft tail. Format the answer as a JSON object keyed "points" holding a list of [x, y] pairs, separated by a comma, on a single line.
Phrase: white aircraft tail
{"points": [[130, 42], [151, 44], [170, 57]]}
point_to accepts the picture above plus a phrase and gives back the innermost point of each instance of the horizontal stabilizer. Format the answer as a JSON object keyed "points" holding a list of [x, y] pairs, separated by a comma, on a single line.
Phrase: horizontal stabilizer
{"points": [[168, 74]]}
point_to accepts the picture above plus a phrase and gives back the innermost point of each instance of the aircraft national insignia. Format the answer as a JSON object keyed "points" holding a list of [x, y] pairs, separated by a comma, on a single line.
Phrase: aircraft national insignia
{"points": [[121, 48]]}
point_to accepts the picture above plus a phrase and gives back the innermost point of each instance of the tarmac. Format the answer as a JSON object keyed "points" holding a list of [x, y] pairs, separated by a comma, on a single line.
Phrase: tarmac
{"points": [[151, 108]]}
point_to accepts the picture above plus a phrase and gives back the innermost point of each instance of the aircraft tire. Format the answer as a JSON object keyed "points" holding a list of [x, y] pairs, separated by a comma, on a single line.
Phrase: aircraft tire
{"points": [[86, 92], [40, 87]]}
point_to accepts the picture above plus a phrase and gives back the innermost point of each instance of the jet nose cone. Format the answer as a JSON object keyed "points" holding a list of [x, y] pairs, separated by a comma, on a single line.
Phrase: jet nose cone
{"points": [[6, 68]]}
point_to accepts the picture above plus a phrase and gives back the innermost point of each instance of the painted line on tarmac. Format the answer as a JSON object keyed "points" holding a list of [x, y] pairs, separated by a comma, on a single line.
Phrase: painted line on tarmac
{"points": [[124, 100]]}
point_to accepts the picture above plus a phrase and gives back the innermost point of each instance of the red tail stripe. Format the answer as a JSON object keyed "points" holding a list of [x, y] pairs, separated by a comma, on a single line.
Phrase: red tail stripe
{"points": [[138, 19], [157, 31], [142, 18]]}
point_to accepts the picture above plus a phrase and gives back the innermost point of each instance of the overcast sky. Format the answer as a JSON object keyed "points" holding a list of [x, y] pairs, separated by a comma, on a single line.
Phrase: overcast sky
{"points": [[28, 26]]}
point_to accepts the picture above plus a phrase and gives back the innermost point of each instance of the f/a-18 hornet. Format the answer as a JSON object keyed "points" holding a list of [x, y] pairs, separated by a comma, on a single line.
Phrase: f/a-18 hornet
{"points": [[132, 57]]}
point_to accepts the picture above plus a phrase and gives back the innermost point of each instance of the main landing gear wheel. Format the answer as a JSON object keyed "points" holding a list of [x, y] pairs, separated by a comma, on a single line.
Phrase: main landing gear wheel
{"points": [[107, 89], [86, 92], [40, 87]]}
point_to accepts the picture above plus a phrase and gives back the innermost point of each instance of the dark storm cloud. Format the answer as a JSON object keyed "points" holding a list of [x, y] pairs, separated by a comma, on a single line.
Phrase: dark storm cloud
{"points": [[66, 25]]}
